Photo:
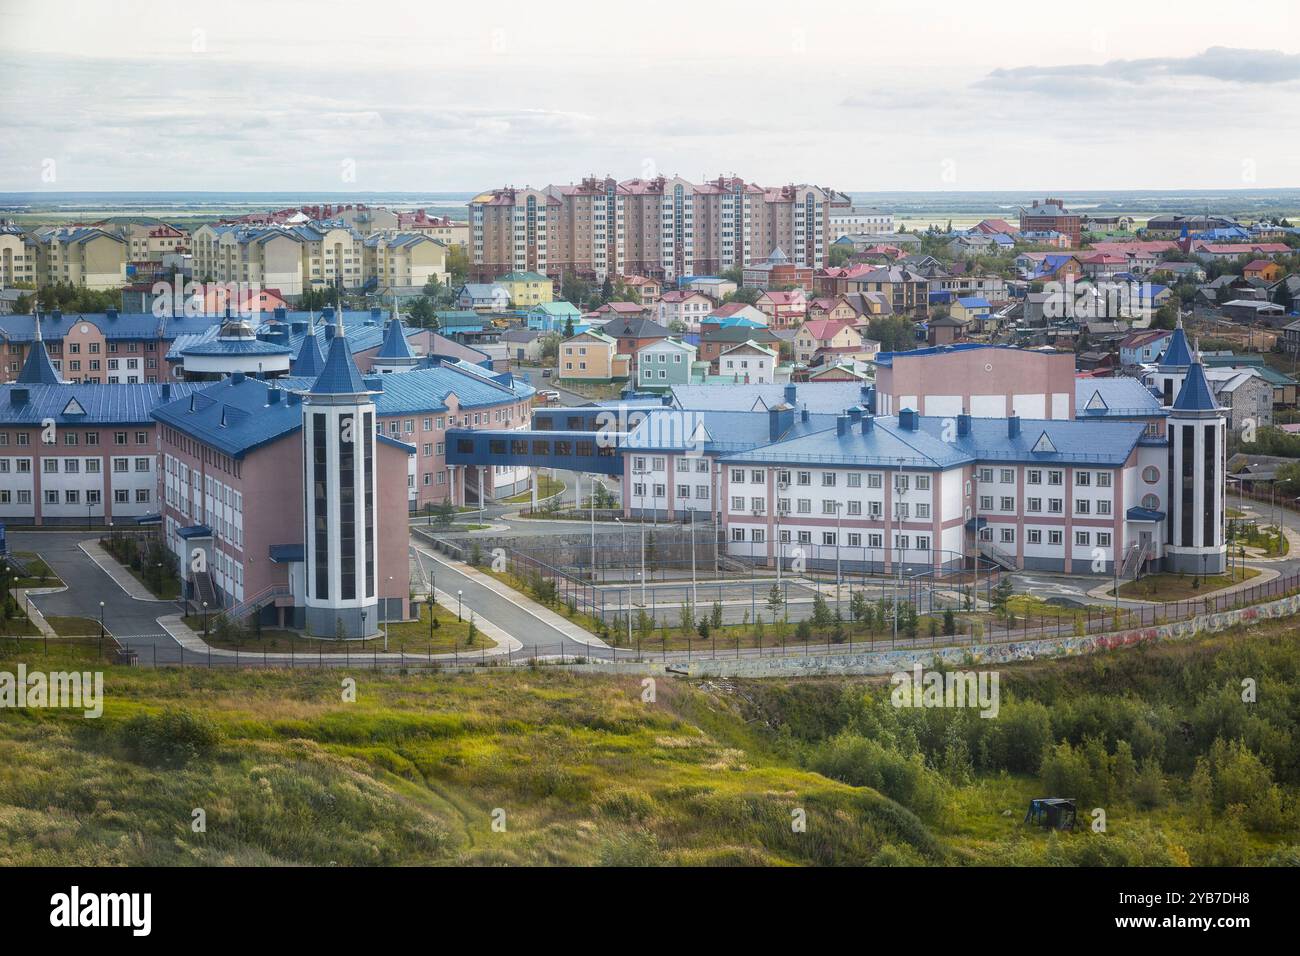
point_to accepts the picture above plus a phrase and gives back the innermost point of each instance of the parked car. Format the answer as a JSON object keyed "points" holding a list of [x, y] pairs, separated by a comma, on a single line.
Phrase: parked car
{"points": [[550, 395], [546, 373]]}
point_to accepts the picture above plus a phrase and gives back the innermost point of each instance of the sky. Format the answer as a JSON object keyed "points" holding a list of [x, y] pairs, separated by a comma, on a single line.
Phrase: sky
{"points": [[390, 95]]}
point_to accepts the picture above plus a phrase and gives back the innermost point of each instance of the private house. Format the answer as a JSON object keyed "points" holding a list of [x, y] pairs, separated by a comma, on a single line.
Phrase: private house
{"points": [[593, 356], [1145, 347], [663, 364], [526, 289], [973, 311], [523, 345], [483, 297], [834, 308], [817, 334], [647, 290], [783, 310], [632, 335], [749, 363], [554, 316], [945, 330], [685, 307], [1265, 269], [715, 341], [906, 291]]}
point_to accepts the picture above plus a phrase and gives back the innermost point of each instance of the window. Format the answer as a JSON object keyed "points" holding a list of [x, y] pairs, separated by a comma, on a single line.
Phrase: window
{"points": [[1103, 506], [1082, 479], [1007, 504], [985, 474], [805, 477], [737, 534], [757, 505], [855, 507], [1034, 476], [1082, 506], [855, 479], [1150, 474], [1055, 477], [758, 535], [142, 496], [922, 510], [828, 479], [1034, 536], [873, 480], [986, 502], [119, 465], [828, 537], [1103, 539], [855, 540], [50, 466], [737, 503], [1054, 537], [142, 464], [1151, 502], [805, 506], [1083, 538], [1008, 476], [1103, 479], [922, 482], [923, 542], [1034, 504], [1055, 505]]}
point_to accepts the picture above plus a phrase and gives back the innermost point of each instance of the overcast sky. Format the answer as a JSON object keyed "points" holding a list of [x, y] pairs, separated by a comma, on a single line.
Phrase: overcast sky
{"points": [[282, 95]]}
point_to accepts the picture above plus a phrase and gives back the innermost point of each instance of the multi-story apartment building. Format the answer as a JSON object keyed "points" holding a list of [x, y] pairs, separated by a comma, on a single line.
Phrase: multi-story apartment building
{"points": [[661, 228], [17, 258], [81, 256], [147, 239], [316, 255], [402, 260], [859, 222], [1050, 215]]}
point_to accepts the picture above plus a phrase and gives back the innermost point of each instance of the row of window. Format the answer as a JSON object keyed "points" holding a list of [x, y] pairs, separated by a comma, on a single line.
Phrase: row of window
{"points": [[1082, 538], [71, 466], [1056, 506], [71, 437], [1034, 476], [74, 496], [854, 539]]}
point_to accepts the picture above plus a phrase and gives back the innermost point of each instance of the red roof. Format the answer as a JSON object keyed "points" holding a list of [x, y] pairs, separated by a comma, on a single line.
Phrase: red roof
{"points": [[823, 329], [784, 298]]}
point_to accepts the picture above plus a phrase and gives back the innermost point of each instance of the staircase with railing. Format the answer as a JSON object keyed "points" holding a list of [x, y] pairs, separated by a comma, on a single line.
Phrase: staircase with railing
{"points": [[204, 591], [259, 600], [1002, 559], [1135, 556]]}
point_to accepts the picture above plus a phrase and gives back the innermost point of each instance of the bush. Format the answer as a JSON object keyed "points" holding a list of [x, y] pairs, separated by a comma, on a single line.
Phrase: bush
{"points": [[171, 738]]}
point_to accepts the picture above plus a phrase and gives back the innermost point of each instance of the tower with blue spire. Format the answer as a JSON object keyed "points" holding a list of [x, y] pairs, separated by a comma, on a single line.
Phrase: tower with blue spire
{"points": [[1172, 366], [309, 361], [38, 369], [395, 353], [341, 515], [1197, 432]]}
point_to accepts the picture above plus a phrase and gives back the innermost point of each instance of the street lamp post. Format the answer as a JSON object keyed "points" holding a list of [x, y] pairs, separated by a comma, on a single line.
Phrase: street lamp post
{"points": [[839, 509], [383, 608], [101, 622], [459, 593], [695, 594], [205, 617], [593, 528]]}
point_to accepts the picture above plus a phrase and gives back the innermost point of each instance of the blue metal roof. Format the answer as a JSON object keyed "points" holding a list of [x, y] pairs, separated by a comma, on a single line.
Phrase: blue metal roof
{"points": [[395, 345], [234, 415], [220, 346], [286, 553], [88, 404], [887, 358], [340, 375], [195, 531], [1195, 394], [310, 361], [1177, 354], [1144, 514], [1119, 397], [38, 369]]}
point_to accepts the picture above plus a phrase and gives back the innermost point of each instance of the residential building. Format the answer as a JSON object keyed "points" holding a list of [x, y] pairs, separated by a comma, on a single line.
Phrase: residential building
{"points": [[686, 308], [1050, 215], [816, 334], [79, 256], [664, 363], [526, 289], [593, 356]]}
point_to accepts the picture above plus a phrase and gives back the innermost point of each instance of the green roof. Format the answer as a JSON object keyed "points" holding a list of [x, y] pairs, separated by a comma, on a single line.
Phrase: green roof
{"points": [[522, 277]]}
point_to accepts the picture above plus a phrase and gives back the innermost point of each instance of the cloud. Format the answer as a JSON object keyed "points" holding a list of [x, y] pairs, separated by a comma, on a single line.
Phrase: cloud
{"points": [[1224, 64]]}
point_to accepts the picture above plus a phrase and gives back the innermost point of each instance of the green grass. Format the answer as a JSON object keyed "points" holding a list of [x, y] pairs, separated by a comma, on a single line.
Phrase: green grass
{"points": [[411, 637], [583, 769], [547, 487], [1181, 587], [73, 626]]}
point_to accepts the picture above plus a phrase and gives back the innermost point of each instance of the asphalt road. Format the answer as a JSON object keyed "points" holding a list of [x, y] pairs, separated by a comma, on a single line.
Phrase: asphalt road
{"points": [[133, 622]]}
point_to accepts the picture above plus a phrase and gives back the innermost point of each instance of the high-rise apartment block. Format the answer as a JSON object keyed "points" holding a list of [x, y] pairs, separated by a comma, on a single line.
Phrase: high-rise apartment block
{"points": [[662, 228]]}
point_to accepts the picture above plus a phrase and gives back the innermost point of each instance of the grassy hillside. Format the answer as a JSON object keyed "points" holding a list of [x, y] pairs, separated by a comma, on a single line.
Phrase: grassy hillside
{"points": [[585, 772]]}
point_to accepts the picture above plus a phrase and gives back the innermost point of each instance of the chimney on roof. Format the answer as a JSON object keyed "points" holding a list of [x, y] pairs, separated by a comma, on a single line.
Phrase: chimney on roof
{"points": [[868, 424], [166, 390], [907, 420], [841, 425], [963, 424], [1013, 426]]}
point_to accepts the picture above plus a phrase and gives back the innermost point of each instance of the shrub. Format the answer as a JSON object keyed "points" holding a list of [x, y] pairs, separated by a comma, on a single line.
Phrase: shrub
{"points": [[171, 738]]}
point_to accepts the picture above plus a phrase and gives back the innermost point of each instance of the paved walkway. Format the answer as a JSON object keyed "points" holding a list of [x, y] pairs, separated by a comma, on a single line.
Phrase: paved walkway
{"points": [[535, 625], [108, 564], [1105, 591], [193, 643]]}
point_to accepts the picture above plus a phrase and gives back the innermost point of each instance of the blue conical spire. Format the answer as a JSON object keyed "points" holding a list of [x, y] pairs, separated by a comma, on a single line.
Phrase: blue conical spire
{"points": [[1177, 355], [340, 375], [1195, 395], [395, 345], [38, 369], [310, 361]]}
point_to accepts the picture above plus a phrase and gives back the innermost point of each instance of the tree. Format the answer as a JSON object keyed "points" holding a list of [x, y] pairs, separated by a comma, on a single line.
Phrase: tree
{"points": [[821, 611], [774, 600], [568, 326], [423, 314], [715, 617], [457, 265]]}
